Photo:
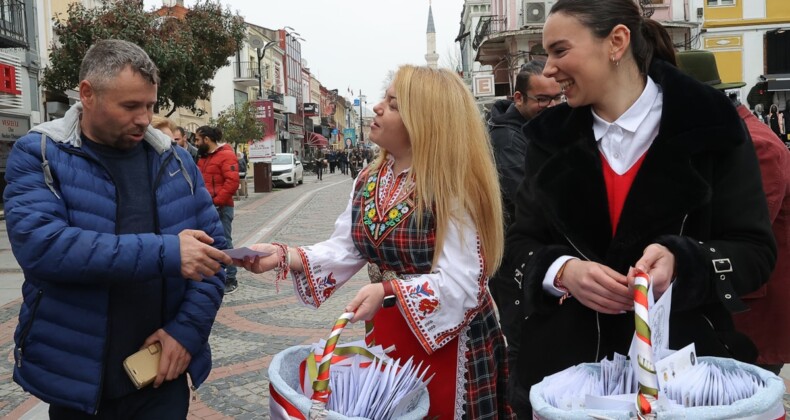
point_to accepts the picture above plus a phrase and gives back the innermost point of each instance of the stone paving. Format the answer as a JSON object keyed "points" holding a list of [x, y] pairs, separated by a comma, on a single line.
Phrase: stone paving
{"points": [[256, 322]]}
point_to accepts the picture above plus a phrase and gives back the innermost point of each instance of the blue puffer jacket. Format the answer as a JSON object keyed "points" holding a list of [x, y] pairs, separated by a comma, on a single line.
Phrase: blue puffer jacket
{"points": [[62, 232]]}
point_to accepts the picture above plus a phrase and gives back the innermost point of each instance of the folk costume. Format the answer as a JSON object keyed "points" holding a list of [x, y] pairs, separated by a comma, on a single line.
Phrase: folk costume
{"points": [[444, 316]]}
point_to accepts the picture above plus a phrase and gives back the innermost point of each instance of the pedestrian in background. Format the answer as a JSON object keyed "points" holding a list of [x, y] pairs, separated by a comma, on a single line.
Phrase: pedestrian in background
{"points": [[242, 174], [220, 169], [695, 215], [165, 125], [113, 228], [759, 112], [182, 139], [426, 218], [533, 93], [769, 302], [775, 121], [331, 157], [342, 160], [318, 159], [356, 163]]}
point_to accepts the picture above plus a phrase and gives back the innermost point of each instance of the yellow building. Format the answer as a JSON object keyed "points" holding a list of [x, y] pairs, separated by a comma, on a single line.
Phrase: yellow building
{"points": [[751, 41]]}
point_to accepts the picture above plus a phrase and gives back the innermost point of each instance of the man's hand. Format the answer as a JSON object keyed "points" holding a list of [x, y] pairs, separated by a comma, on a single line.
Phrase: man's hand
{"points": [[198, 258], [659, 262], [175, 358], [597, 287], [367, 302]]}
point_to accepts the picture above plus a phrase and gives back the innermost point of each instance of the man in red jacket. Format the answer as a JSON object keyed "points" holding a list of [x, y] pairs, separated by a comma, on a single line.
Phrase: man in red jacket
{"points": [[220, 170]]}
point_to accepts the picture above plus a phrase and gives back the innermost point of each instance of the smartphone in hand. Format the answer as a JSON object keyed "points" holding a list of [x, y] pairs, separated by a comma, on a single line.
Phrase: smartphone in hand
{"points": [[143, 365]]}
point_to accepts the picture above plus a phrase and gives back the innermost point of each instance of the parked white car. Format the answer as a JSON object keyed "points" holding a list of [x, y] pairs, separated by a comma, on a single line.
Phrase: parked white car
{"points": [[287, 169]]}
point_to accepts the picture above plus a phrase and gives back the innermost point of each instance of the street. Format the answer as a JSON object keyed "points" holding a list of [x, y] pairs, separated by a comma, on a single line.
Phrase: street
{"points": [[254, 323]]}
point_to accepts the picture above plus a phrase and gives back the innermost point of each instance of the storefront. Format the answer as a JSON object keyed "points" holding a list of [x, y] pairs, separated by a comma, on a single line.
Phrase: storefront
{"points": [[12, 127]]}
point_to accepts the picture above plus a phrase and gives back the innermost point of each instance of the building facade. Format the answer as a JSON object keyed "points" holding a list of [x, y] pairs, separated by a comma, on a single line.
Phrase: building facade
{"points": [[501, 35], [292, 73], [20, 71], [751, 42]]}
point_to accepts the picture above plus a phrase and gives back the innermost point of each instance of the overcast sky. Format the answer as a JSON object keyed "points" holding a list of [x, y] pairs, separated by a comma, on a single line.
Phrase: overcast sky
{"points": [[354, 43]]}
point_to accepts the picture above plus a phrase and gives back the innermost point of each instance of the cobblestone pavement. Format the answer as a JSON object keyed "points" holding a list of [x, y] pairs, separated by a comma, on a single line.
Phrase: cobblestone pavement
{"points": [[256, 322]]}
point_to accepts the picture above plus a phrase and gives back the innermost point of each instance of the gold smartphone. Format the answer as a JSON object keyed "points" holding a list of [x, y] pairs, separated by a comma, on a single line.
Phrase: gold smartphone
{"points": [[143, 365]]}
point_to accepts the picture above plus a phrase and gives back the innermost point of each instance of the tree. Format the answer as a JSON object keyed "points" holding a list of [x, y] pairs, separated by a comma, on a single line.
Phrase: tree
{"points": [[452, 58], [188, 51], [239, 125]]}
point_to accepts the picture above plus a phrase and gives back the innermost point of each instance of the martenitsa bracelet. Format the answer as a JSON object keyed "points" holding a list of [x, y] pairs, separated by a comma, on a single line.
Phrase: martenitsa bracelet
{"points": [[283, 266]]}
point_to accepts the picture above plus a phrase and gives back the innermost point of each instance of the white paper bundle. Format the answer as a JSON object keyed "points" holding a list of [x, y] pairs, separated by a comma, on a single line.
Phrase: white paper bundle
{"points": [[365, 382], [383, 390]]}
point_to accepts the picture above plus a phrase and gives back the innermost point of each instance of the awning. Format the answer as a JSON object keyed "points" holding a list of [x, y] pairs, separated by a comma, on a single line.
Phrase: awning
{"points": [[316, 140], [778, 82]]}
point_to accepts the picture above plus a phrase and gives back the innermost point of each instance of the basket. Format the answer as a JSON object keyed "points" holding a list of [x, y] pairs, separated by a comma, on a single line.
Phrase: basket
{"points": [[287, 402], [765, 404]]}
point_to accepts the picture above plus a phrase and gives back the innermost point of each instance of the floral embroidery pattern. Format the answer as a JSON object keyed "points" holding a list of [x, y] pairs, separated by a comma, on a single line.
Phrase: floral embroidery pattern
{"points": [[379, 222], [427, 303], [370, 186], [326, 285]]}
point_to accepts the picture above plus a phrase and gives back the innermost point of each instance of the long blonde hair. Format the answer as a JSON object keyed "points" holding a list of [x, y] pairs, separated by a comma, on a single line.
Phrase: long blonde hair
{"points": [[452, 160]]}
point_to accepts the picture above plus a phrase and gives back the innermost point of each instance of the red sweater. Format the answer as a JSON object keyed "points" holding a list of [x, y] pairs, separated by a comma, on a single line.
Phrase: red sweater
{"points": [[220, 171], [617, 187]]}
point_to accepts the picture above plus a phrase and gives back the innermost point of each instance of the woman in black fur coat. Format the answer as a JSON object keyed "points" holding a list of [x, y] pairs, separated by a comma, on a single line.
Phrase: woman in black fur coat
{"points": [[642, 167]]}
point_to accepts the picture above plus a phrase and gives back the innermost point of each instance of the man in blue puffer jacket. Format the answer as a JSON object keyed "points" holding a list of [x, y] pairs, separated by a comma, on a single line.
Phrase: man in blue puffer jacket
{"points": [[119, 243]]}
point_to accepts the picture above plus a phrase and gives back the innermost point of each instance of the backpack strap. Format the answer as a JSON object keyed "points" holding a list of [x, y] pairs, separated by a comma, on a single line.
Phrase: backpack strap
{"points": [[45, 167]]}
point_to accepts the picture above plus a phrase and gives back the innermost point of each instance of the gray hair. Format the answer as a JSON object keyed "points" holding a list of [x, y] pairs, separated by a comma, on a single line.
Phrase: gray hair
{"points": [[758, 108], [109, 57]]}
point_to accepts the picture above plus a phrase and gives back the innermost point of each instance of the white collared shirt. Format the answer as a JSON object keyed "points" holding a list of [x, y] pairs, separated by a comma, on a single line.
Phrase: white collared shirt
{"points": [[622, 143]]}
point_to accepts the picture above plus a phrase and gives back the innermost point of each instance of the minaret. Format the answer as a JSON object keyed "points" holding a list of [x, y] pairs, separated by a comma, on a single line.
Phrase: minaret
{"points": [[431, 57]]}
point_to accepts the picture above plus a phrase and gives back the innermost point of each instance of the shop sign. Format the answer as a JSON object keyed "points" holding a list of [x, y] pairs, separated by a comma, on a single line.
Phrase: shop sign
{"points": [[8, 80], [11, 129]]}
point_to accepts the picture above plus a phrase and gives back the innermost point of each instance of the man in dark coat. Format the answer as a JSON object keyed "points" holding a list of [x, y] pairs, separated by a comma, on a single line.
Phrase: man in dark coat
{"points": [[533, 94]]}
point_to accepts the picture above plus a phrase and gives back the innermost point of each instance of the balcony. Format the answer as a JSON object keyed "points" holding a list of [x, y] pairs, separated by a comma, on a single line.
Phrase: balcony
{"points": [[487, 26], [245, 73], [12, 24], [275, 97]]}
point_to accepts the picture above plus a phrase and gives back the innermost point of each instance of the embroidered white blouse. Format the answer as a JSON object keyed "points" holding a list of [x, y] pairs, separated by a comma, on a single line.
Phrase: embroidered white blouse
{"points": [[437, 305]]}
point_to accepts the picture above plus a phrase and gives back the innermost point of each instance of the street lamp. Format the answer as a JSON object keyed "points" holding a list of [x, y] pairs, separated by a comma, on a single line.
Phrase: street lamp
{"points": [[261, 52], [362, 98]]}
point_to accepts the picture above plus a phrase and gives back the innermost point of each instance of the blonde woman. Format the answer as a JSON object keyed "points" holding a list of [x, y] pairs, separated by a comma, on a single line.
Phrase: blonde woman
{"points": [[165, 125], [426, 218]]}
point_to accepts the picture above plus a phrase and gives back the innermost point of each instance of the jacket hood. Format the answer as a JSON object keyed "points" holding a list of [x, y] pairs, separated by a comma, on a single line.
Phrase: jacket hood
{"points": [[715, 123], [67, 130], [505, 114]]}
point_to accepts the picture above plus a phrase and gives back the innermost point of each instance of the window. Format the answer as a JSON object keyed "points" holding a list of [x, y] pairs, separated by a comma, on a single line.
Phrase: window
{"points": [[721, 2]]}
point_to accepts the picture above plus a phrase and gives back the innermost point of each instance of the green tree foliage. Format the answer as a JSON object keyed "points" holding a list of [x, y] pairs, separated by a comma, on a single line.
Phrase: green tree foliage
{"points": [[239, 125], [187, 51]]}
